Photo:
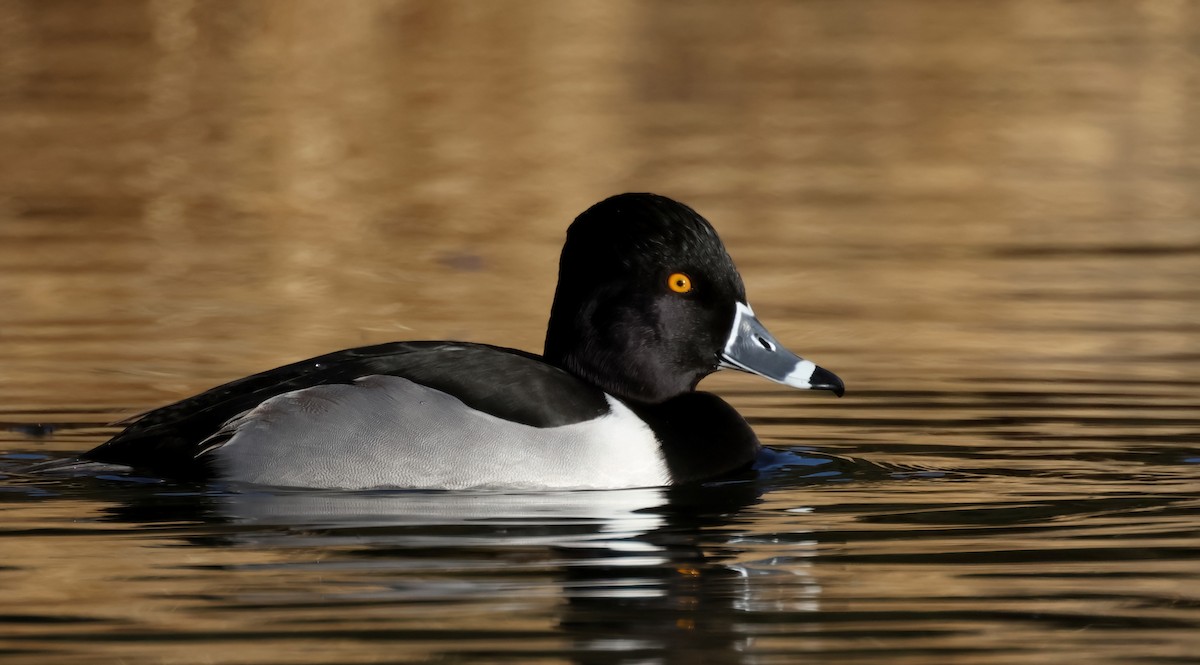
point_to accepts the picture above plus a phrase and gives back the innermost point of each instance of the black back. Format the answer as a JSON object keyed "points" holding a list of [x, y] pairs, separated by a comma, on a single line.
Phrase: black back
{"points": [[506, 383]]}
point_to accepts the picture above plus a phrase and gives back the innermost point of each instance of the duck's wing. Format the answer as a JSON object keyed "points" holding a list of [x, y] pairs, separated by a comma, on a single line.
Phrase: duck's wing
{"points": [[506, 383]]}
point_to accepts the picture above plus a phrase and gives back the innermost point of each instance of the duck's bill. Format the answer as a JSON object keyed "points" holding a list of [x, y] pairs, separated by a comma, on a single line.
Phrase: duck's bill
{"points": [[751, 348]]}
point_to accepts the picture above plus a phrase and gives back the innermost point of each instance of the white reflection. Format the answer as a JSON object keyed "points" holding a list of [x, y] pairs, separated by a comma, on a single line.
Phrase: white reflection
{"points": [[600, 518]]}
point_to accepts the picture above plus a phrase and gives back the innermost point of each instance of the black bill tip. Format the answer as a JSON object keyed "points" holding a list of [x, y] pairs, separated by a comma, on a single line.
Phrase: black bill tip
{"points": [[823, 379]]}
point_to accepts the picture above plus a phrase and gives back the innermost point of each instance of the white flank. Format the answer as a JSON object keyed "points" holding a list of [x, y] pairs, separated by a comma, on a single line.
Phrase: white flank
{"points": [[386, 431]]}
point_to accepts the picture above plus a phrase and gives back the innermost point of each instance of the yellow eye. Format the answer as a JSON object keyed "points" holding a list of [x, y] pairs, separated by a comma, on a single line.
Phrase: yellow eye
{"points": [[679, 282]]}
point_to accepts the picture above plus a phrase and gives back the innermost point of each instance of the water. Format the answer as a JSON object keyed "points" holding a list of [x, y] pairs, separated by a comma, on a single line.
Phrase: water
{"points": [[983, 216]]}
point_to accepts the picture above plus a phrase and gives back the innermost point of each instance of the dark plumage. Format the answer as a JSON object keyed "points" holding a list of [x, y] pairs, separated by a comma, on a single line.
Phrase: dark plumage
{"points": [[648, 303]]}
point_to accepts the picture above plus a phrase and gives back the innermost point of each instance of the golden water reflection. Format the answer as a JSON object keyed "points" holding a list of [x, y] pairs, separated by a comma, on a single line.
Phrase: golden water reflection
{"points": [[983, 215]]}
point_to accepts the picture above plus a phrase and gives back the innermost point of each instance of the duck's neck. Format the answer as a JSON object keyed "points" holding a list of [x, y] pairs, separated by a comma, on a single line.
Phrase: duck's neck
{"points": [[600, 347], [601, 373]]}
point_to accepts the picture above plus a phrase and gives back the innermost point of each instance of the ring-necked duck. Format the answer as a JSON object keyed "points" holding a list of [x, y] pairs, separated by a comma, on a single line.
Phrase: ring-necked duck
{"points": [[648, 303]]}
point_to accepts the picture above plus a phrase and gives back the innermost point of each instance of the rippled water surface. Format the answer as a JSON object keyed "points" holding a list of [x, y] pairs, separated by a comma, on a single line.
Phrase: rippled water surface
{"points": [[982, 215]]}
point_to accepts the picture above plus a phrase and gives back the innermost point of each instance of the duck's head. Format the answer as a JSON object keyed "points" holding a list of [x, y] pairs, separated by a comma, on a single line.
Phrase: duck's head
{"points": [[649, 302]]}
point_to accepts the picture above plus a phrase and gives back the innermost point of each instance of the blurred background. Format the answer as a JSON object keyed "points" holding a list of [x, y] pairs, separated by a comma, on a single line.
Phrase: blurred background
{"points": [[982, 214], [915, 191]]}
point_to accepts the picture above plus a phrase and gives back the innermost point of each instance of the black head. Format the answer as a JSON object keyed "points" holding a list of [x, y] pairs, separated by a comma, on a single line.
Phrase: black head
{"points": [[618, 320]]}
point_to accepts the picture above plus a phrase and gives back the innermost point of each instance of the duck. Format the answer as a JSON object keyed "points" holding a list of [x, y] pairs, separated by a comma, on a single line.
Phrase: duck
{"points": [[648, 302]]}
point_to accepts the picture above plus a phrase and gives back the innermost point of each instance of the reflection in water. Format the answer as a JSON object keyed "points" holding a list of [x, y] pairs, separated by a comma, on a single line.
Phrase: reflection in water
{"points": [[626, 563], [634, 584], [621, 513], [982, 214], [962, 555]]}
